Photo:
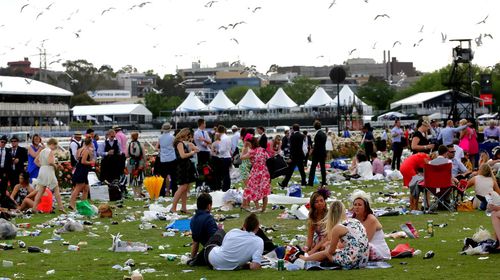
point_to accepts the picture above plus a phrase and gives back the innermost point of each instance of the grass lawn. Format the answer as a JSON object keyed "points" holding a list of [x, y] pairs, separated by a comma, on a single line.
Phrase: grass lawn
{"points": [[94, 261]]}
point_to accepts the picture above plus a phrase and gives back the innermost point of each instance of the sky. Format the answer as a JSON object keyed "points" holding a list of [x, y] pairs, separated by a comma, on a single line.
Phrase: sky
{"points": [[164, 35]]}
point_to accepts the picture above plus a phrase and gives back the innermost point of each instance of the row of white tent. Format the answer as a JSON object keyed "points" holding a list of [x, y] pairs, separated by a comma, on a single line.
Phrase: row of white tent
{"points": [[280, 100]]}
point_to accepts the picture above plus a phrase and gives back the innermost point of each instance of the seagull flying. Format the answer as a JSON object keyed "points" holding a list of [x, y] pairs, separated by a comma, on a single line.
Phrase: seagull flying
{"points": [[255, 9], [236, 41], [50, 5], [55, 61], [39, 14], [421, 29], [107, 10], [233, 25], [320, 56], [223, 27], [488, 35], [397, 42], [374, 45], [484, 20], [77, 34], [418, 43], [351, 51], [309, 39], [331, 4], [24, 6], [28, 81], [139, 5], [443, 37], [200, 42], [209, 4], [383, 15]]}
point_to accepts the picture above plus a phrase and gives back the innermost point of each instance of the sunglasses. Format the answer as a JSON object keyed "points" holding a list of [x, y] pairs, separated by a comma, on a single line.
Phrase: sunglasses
{"points": [[3, 142]]}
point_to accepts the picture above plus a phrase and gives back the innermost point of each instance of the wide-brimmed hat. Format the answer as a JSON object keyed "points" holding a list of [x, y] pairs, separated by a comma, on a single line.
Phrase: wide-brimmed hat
{"points": [[116, 127], [166, 126], [77, 133], [234, 127]]}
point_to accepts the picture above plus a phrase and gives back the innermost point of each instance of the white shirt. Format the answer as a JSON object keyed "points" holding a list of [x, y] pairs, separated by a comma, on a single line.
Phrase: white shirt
{"points": [[225, 146], [234, 141], [3, 152], [202, 146], [459, 154], [238, 248]]}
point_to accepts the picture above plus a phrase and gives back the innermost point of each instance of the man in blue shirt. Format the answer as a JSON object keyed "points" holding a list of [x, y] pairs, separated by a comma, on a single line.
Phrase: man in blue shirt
{"points": [[203, 227], [397, 145], [168, 163], [448, 133]]}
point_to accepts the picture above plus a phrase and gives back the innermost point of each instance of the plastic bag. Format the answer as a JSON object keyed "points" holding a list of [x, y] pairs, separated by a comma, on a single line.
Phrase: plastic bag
{"points": [[7, 230], [86, 209]]}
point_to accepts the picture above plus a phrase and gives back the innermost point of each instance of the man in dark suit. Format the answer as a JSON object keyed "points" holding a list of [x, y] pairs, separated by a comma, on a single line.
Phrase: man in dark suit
{"points": [[5, 163], [318, 153], [19, 158], [296, 156], [285, 144], [263, 138]]}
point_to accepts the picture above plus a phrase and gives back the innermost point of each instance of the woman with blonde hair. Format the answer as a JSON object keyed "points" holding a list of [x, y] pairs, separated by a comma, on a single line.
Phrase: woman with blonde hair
{"points": [[47, 174], [484, 184], [468, 140], [349, 234], [484, 157], [185, 169]]}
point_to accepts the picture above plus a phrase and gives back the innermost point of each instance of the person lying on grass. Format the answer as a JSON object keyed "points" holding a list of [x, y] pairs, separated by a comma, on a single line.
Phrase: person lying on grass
{"points": [[203, 227], [348, 247], [240, 248]]}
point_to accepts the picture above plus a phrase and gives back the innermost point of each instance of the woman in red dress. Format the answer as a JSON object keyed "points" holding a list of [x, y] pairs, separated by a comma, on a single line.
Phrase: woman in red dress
{"points": [[259, 181], [409, 169]]}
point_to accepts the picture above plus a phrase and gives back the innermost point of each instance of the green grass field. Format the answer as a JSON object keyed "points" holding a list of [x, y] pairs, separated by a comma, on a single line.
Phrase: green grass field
{"points": [[94, 261]]}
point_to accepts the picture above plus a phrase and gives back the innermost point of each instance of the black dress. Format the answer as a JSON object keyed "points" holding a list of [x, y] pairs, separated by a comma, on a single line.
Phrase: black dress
{"points": [[186, 172], [80, 176], [422, 141]]}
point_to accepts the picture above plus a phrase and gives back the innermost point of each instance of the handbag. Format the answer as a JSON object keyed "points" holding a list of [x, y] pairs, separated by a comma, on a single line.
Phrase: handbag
{"points": [[277, 166], [236, 159]]}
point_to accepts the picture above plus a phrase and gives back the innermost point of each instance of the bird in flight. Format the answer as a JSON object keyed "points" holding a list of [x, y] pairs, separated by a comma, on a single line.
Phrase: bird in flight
{"points": [[77, 33], [488, 35], [223, 27], [484, 20], [107, 10], [236, 41], [24, 6], [331, 4], [210, 3], [233, 25], [28, 81], [55, 61], [49, 6], [382, 15], [397, 42], [374, 45], [256, 9], [320, 56], [421, 29], [418, 43], [309, 39], [139, 5], [39, 14], [351, 51], [443, 37], [200, 42]]}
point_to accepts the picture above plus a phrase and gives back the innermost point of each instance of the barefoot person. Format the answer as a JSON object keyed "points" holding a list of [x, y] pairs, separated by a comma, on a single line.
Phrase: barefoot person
{"points": [[47, 176]]}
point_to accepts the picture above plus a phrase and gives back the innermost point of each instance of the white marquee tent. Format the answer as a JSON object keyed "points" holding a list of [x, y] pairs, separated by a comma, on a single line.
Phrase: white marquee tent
{"points": [[347, 97], [220, 102], [280, 100], [250, 102], [116, 111], [319, 98], [191, 103]]}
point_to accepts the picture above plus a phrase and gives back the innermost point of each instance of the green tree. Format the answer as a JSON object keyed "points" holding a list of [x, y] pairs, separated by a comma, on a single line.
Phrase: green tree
{"points": [[170, 85], [81, 99], [301, 89], [236, 93], [155, 103], [81, 75], [266, 93], [377, 93], [127, 69]]}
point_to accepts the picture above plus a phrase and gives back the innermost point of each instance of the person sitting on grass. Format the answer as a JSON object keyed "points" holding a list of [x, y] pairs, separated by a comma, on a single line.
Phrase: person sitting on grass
{"points": [[362, 211], [484, 183], [348, 246], [317, 212], [22, 190], [203, 227], [240, 248]]}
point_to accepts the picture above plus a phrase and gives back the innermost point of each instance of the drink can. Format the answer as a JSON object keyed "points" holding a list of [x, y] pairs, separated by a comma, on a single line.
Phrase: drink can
{"points": [[73, 248], [21, 244], [281, 264], [430, 227]]}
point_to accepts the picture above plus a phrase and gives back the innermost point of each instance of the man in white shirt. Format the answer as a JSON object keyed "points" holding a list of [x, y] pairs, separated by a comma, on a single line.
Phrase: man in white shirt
{"points": [[235, 138], [224, 157], [240, 248]]}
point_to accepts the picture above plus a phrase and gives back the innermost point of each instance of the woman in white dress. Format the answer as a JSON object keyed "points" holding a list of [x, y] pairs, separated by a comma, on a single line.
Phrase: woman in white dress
{"points": [[378, 249], [47, 175]]}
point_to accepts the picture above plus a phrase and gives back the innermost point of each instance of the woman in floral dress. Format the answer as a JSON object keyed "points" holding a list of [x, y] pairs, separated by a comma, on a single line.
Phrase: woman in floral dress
{"points": [[349, 233], [258, 185], [243, 147]]}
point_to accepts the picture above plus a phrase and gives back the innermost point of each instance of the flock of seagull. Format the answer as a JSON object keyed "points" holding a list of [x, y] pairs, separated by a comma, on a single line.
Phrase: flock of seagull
{"points": [[232, 26]]}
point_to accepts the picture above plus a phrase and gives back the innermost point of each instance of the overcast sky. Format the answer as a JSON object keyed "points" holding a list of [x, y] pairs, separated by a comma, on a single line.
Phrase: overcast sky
{"points": [[169, 34]]}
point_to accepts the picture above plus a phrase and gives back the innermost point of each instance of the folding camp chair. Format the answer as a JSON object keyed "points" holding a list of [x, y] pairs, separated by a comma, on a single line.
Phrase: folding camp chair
{"points": [[437, 181]]}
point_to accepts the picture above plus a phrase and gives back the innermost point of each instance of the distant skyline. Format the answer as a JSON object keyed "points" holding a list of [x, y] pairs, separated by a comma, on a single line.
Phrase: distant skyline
{"points": [[165, 35]]}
